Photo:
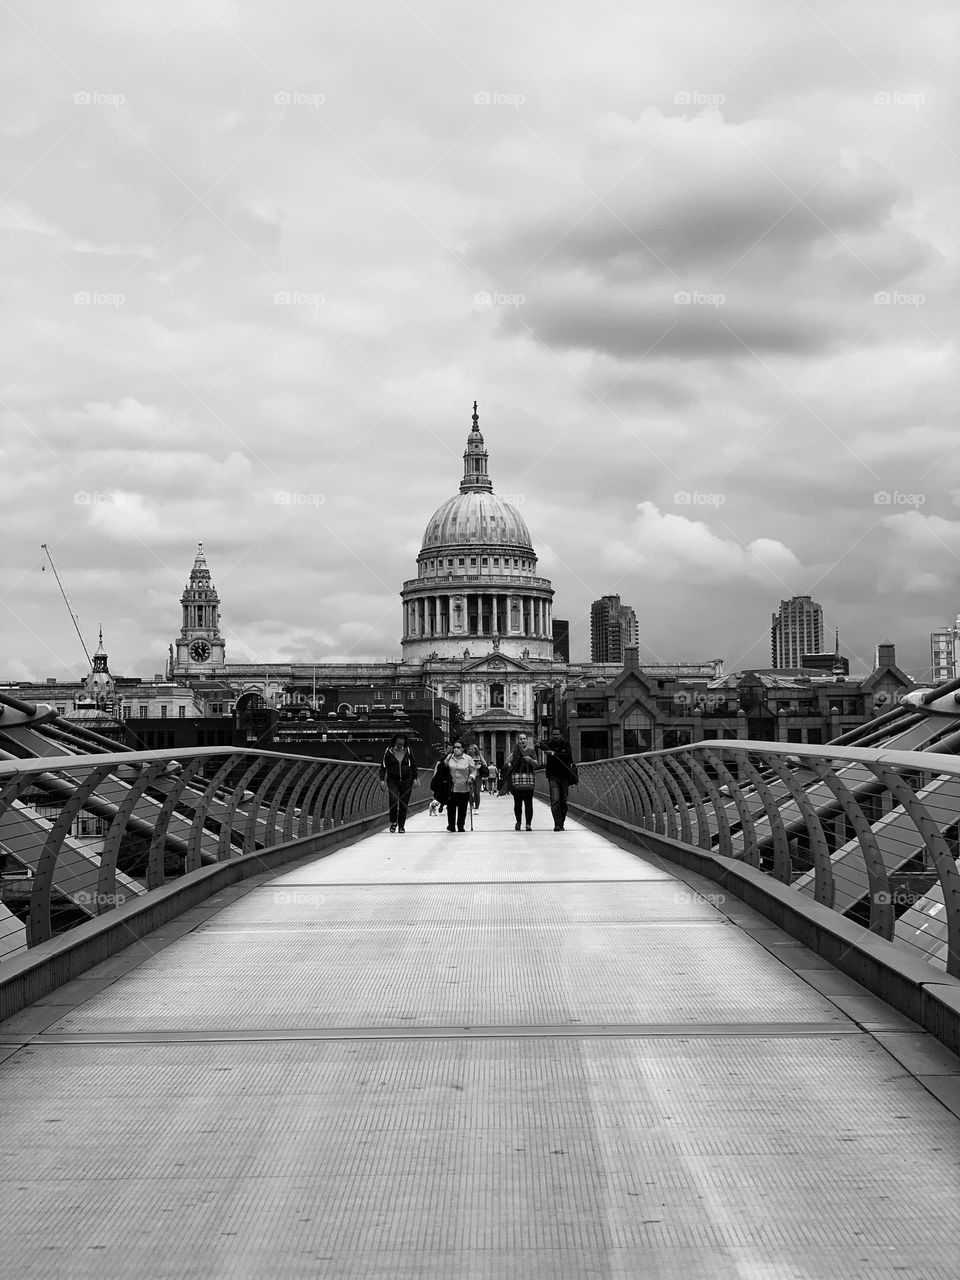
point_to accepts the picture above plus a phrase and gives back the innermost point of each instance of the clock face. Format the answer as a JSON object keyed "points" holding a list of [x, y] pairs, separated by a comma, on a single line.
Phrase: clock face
{"points": [[199, 651]]}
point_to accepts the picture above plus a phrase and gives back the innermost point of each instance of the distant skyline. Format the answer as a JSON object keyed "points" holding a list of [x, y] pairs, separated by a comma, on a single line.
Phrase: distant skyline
{"points": [[699, 267]]}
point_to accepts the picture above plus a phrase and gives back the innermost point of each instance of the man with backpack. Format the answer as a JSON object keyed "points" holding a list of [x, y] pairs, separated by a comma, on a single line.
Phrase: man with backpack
{"points": [[561, 773]]}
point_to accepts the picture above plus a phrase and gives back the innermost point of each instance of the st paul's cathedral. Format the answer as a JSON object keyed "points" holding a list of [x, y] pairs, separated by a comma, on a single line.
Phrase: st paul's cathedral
{"points": [[477, 626]]}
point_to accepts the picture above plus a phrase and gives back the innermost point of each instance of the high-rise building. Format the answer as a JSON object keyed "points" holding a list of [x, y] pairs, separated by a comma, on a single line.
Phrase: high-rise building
{"points": [[797, 629], [561, 640], [945, 653], [613, 629]]}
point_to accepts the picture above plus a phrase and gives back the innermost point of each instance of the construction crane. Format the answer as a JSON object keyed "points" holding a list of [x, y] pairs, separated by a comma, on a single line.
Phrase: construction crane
{"points": [[73, 616]]}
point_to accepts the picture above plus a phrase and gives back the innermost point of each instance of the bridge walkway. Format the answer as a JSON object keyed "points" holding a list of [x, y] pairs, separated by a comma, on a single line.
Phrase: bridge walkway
{"points": [[499, 1054]]}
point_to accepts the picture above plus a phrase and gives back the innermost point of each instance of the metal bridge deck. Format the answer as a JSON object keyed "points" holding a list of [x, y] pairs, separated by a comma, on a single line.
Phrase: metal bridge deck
{"points": [[493, 1055]]}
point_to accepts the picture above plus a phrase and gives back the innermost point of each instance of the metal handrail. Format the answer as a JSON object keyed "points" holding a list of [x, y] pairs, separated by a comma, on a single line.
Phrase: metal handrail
{"points": [[87, 833], [847, 826]]}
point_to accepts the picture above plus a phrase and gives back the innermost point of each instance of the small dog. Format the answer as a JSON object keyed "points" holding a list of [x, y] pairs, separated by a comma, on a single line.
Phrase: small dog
{"points": [[434, 808]]}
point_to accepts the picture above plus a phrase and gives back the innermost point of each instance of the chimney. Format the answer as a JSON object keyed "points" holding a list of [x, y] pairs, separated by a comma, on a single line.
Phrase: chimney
{"points": [[886, 655]]}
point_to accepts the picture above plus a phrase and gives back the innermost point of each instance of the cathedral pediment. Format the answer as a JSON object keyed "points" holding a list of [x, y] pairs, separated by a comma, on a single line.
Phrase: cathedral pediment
{"points": [[497, 664]]}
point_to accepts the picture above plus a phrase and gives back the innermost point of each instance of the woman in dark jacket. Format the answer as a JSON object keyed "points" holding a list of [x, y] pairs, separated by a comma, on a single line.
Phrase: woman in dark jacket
{"points": [[440, 784], [398, 777]]}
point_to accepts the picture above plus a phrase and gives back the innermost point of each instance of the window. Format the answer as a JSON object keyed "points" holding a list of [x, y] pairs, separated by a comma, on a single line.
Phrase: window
{"points": [[61, 710], [496, 695], [450, 564], [473, 561], [496, 560], [143, 712], [163, 710], [126, 712], [181, 713], [461, 560]]}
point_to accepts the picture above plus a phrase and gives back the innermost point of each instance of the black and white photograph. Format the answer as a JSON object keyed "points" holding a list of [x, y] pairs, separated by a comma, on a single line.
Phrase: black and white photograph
{"points": [[480, 640]]}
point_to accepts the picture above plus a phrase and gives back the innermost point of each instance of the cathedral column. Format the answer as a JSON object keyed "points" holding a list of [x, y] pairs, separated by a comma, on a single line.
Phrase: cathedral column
{"points": [[495, 615]]}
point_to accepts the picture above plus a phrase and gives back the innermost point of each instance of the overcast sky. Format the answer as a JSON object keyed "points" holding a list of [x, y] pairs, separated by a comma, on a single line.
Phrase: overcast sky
{"points": [[697, 263]]}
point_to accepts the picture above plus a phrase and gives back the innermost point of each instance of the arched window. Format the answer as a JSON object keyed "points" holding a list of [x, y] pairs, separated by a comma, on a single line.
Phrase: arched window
{"points": [[496, 695]]}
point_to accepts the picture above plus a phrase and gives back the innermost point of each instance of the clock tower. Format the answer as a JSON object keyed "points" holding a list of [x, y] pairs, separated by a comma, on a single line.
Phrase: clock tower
{"points": [[199, 648]]}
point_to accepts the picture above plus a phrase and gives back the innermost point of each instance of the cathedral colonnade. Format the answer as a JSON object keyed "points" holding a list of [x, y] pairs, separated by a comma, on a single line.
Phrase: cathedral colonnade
{"points": [[454, 613]]}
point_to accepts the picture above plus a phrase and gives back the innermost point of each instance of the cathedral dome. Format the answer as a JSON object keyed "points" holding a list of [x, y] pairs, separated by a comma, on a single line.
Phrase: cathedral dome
{"points": [[477, 518]]}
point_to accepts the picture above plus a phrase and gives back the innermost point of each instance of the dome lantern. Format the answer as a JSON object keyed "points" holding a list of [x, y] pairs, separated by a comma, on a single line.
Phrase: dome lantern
{"points": [[475, 458]]}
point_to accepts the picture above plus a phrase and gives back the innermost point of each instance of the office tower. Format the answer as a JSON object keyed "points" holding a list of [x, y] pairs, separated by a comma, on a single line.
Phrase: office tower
{"points": [[613, 629], [797, 629]]}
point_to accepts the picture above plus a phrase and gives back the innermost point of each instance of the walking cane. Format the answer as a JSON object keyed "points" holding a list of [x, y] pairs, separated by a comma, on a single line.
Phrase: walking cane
{"points": [[470, 802]]}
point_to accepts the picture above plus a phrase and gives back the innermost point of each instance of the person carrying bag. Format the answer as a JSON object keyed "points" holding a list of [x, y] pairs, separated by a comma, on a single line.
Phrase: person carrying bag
{"points": [[519, 776], [440, 786], [462, 773]]}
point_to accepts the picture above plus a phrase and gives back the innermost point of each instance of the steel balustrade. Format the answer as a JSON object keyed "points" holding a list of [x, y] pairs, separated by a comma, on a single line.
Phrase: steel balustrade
{"points": [[843, 824], [169, 813]]}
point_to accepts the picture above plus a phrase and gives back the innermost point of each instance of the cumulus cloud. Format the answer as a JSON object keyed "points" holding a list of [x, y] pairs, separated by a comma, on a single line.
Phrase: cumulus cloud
{"points": [[666, 546], [281, 264]]}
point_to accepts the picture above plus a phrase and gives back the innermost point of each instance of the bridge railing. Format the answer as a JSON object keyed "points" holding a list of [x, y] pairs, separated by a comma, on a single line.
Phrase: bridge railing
{"points": [[82, 835], [870, 833]]}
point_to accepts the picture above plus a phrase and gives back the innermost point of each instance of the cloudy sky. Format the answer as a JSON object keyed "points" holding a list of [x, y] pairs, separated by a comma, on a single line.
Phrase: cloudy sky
{"points": [[697, 263]]}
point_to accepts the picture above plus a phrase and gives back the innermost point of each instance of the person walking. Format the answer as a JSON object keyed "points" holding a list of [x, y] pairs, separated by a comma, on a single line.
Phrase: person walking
{"points": [[562, 774], [398, 777], [519, 777], [482, 773], [493, 780], [440, 786], [462, 773]]}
